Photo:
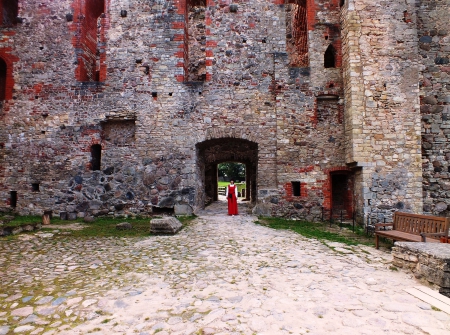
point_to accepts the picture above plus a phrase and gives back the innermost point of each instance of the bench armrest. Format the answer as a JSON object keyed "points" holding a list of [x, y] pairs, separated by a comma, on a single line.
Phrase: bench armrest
{"points": [[379, 225], [425, 235]]}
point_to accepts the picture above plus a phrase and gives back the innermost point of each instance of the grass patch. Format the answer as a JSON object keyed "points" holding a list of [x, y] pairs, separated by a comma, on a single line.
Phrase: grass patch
{"points": [[318, 230], [22, 220], [106, 227], [240, 186]]}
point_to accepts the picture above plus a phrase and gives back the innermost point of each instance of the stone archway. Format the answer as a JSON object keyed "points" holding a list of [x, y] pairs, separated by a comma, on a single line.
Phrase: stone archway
{"points": [[212, 152]]}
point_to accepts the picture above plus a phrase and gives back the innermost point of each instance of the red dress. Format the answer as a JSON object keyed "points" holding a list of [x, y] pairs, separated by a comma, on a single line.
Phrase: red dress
{"points": [[232, 202]]}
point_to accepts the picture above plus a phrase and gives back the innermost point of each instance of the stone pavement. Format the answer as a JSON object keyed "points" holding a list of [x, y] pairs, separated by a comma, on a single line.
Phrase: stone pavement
{"points": [[220, 275]]}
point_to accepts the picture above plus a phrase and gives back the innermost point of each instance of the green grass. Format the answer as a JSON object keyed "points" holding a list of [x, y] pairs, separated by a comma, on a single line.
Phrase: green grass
{"points": [[106, 227], [318, 230], [21, 220], [240, 186]]}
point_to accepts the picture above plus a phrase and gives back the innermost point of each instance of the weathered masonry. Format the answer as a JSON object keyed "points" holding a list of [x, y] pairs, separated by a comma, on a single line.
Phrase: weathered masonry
{"points": [[128, 106]]}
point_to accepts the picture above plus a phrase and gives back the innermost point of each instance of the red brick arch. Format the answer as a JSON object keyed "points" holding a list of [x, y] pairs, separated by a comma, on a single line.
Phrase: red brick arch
{"points": [[8, 85]]}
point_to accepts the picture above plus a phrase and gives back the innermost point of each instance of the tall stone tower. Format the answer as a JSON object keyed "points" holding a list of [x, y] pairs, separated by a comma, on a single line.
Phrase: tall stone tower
{"points": [[128, 106]]}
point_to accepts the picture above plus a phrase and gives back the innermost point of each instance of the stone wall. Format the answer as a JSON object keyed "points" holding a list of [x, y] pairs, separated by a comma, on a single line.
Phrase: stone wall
{"points": [[154, 85], [434, 48], [428, 262], [382, 119]]}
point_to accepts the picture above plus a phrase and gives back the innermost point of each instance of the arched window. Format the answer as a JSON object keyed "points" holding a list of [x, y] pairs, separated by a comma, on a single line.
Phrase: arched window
{"points": [[2, 79], [96, 157], [330, 57], [9, 11]]}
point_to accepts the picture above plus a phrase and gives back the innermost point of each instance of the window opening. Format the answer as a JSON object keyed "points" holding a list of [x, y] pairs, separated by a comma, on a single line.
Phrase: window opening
{"points": [[297, 33], [9, 12], [330, 57], [2, 79], [196, 40], [35, 187], [342, 3], [296, 188], [13, 199], [96, 156], [92, 31]]}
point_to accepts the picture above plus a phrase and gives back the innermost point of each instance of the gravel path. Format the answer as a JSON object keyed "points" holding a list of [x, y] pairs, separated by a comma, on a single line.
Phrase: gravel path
{"points": [[220, 275]]}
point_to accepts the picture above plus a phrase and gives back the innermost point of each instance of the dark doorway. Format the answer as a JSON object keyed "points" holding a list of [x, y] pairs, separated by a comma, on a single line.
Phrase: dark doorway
{"points": [[341, 195], [211, 153], [2, 79], [96, 157]]}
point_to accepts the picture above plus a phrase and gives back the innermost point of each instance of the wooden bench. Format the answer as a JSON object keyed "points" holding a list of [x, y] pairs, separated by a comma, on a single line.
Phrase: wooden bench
{"points": [[413, 228]]}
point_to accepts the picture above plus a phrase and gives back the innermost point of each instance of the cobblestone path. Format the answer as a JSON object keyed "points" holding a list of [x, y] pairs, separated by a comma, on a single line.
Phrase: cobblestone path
{"points": [[220, 275]]}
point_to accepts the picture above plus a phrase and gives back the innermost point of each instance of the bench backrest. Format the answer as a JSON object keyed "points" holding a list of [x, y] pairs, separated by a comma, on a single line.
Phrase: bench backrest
{"points": [[416, 224]]}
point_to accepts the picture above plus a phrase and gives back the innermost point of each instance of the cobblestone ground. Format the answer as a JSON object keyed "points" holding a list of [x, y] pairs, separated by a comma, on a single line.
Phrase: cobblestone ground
{"points": [[220, 275]]}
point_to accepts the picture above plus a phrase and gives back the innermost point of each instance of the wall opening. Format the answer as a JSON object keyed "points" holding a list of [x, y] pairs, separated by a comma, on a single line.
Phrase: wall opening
{"points": [[9, 10], [13, 199], [296, 189], [196, 40], [96, 157], [342, 3], [330, 57], [235, 171], [3, 69], [91, 42], [35, 187], [213, 152], [341, 194], [297, 33]]}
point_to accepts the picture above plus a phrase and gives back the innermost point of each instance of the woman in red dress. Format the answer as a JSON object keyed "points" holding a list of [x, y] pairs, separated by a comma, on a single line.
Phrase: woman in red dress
{"points": [[232, 194]]}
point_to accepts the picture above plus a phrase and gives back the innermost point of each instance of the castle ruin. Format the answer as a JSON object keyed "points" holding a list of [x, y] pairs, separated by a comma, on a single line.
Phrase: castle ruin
{"points": [[128, 106]]}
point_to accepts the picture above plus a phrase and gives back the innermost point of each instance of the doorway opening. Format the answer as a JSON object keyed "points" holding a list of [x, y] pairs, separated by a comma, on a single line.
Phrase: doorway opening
{"points": [[228, 171], [342, 195], [212, 153]]}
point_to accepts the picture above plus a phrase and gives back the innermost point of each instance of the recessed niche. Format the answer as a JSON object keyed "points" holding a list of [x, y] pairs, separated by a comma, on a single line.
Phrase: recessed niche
{"points": [[119, 132]]}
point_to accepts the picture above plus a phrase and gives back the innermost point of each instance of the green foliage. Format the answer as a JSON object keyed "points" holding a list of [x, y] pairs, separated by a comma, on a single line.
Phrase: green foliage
{"points": [[320, 231], [234, 171]]}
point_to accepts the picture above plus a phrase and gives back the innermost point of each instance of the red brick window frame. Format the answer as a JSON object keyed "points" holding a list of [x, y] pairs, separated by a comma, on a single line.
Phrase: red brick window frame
{"points": [[6, 74], [9, 10], [91, 20]]}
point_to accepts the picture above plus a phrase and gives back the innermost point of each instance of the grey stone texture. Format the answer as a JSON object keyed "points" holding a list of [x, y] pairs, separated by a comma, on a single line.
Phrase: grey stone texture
{"points": [[165, 225], [182, 88], [429, 262]]}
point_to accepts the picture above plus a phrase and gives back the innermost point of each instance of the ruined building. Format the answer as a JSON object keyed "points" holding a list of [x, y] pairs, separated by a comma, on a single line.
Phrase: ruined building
{"points": [[128, 106]]}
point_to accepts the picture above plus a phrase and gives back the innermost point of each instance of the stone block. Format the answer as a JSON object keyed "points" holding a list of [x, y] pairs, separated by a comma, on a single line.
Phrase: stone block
{"points": [[166, 226], [124, 226], [183, 210]]}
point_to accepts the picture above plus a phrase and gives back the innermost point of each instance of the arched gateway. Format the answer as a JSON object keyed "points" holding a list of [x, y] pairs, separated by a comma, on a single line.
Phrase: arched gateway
{"points": [[212, 152]]}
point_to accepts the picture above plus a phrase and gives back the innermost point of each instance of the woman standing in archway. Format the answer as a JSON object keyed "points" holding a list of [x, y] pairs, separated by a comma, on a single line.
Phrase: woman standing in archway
{"points": [[232, 194]]}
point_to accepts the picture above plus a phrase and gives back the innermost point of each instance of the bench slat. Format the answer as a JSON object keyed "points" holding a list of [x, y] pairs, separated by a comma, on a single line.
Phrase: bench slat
{"points": [[408, 227]]}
